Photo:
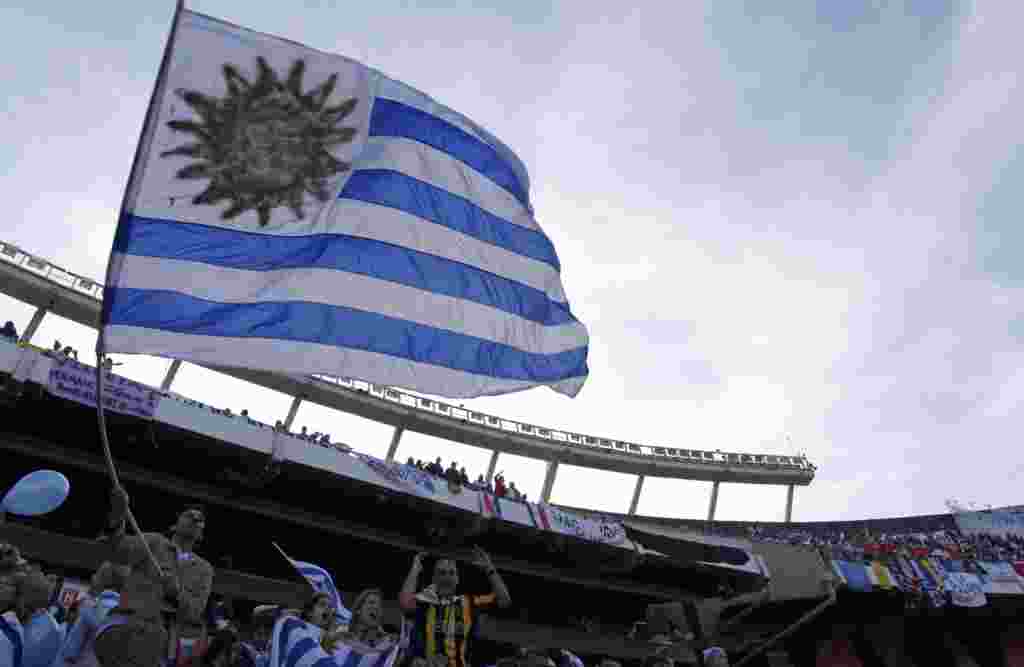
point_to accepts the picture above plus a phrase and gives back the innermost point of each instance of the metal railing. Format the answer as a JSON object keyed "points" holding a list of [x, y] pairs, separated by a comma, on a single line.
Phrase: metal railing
{"points": [[94, 289]]}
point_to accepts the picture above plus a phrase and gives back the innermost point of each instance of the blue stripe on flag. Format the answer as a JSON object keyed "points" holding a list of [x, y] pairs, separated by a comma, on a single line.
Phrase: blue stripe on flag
{"points": [[299, 650], [150, 237], [405, 193], [394, 119], [341, 327]]}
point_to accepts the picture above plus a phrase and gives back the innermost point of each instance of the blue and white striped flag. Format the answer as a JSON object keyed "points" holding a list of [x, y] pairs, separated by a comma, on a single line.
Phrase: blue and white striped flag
{"points": [[296, 211], [295, 642], [322, 582]]}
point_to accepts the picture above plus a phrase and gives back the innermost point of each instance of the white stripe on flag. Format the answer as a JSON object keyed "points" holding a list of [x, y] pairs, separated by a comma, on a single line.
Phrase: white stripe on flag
{"points": [[295, 643], [312, 358], [389, 225], [443, 171], [351, 290]]}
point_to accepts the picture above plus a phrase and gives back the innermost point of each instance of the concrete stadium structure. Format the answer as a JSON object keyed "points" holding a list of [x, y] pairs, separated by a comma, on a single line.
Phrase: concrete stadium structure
{"points": [[52, 289]]}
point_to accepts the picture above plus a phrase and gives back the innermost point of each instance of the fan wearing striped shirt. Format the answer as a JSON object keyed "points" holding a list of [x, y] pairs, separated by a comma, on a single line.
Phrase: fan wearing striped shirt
{"points": [[444, 622]]}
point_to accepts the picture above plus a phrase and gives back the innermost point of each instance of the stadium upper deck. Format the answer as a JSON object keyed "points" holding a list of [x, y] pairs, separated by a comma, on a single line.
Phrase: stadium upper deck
{"points": [[49, 288]]}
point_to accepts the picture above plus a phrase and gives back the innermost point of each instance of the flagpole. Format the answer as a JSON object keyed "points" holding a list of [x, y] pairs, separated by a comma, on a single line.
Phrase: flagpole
{"points": [[100, 343], [292, 563]]}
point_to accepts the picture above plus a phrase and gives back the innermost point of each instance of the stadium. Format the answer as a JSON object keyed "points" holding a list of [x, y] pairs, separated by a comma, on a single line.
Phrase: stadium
{"points": [[793, 221], [604, 587]]}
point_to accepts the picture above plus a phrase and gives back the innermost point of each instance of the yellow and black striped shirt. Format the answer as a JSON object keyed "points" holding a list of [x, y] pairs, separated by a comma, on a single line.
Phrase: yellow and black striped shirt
{"points": [[447, 627]]}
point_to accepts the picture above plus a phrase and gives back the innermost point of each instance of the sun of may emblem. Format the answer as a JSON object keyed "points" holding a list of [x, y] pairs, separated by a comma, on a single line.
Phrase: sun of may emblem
{"points": [[265, 144]]}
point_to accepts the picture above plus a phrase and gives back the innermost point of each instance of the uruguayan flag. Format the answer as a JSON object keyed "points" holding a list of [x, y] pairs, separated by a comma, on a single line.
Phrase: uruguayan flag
{"points": [[297, 211], [295, 642], [322, 582]]}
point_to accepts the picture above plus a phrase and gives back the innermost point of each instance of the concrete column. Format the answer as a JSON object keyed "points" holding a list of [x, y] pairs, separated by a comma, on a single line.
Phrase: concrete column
{"points": [[33, 325], [292, 411], [492, 466], [172, 371], [549, 482], [714, 500], [395, 438], [636, 494], [789, 503]]}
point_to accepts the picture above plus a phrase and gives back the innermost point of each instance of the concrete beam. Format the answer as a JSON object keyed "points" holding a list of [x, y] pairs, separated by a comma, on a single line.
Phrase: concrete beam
{"points": [[549, 481], [393, 447], [172, 371], [789, 503], [636, 494], [33, 325], [714, 500], [292, 411]]}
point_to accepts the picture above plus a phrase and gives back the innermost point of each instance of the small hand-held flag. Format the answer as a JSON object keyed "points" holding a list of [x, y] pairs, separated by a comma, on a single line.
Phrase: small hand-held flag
{"points": [[295, 642], [296, 211], [322, 582]]}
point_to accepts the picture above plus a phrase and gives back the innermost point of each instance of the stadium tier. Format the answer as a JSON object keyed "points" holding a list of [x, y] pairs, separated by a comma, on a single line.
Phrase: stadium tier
{"points": [[916, 590], [49, 288]]}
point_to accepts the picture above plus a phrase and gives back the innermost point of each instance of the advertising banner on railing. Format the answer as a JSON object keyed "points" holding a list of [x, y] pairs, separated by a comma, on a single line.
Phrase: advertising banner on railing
{"points": [[410, 479], [77, 382], [403, 477], [606, 532], [995, 522]]}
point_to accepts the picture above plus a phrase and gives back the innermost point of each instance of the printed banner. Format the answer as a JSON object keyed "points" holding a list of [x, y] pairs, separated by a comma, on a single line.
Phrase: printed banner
{"points": [[407, 477], [606, 532], [77, 382]]}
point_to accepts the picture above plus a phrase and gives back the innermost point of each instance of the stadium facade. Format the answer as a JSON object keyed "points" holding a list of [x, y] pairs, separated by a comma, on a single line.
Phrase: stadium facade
{"points": [[363, 518]]}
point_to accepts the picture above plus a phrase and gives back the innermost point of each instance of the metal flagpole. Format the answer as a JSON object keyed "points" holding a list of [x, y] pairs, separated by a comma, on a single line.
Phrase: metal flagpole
{"points": [[100, 345]]}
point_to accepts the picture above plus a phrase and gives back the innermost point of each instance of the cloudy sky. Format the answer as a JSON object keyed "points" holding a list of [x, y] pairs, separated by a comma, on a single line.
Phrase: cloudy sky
{"points": [[774, 224]]}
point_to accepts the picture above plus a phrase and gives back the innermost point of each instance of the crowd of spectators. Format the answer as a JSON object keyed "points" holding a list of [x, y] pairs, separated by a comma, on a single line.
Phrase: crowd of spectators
{"points": [[934, 533], [456, 474], [151, 605]]}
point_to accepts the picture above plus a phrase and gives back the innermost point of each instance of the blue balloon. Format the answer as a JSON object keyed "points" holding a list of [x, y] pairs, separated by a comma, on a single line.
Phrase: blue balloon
{"points": [[36, 493]]}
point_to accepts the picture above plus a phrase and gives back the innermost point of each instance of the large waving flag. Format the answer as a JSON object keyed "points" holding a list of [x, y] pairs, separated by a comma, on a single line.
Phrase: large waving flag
{"points": [[322, 582], [296, 211], [295, 642]]}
